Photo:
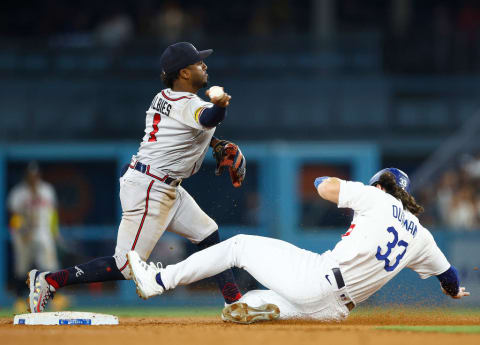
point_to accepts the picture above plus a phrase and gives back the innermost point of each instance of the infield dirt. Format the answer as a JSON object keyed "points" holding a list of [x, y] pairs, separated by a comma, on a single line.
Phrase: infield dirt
{"points": [[358, 329]]}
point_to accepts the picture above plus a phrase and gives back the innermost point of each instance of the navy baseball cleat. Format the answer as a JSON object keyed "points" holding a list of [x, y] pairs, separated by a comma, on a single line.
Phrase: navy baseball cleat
{"points": [[243, 313], [40, 291], [144, 276]]}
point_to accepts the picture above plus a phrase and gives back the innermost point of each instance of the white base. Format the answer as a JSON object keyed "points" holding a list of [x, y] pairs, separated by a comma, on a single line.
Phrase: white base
{"points": [[69, 318]]}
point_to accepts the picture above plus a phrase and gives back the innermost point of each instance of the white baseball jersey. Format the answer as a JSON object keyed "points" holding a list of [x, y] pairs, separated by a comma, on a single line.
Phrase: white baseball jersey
{"points": [[35, 209], [175, 142], [383, 239]]}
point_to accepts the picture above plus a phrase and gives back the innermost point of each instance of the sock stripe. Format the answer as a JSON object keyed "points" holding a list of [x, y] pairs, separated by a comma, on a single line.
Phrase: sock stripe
{"points": [[57, 279], [231, 293], [141, 223]]}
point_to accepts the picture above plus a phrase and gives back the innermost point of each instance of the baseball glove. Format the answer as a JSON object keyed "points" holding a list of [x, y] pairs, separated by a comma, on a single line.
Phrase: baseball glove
{"points": [[228, 155]]}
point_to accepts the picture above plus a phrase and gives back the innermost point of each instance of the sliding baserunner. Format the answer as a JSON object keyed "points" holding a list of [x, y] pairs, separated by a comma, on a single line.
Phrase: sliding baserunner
{"points": [[385, 236]]}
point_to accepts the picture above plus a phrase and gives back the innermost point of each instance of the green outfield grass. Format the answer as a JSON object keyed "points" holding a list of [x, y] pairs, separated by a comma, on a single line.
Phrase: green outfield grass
{"points": [[417, 310], [139, 312], [215, 311], [440, 329], [170, 312]]}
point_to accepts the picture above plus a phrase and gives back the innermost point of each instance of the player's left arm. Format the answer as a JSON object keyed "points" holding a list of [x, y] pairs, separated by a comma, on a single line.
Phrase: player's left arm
{"points": [[450, 284], [328, 188], [430, 261]]}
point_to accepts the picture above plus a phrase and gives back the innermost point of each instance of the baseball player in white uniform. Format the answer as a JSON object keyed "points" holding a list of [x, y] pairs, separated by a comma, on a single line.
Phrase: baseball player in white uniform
{"points": [[33, 226], [384, 237], [179, 130]]}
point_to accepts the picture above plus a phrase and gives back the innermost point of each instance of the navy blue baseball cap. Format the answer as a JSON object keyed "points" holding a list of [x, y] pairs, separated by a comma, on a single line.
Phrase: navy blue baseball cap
{"points": [[180, 55], [400, 177]]}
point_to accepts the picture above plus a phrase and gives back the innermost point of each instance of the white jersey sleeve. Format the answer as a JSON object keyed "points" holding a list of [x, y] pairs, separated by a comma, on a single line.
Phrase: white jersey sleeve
{"points": [[430, 261], [357, 196]]}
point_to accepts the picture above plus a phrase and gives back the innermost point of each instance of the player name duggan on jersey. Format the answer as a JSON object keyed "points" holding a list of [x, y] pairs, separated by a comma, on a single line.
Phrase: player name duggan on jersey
{"points": [[408, 224]]}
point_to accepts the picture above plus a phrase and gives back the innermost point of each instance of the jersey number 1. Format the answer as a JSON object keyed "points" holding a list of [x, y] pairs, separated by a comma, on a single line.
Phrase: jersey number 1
{"points": [[156, 121], [390, 246]]}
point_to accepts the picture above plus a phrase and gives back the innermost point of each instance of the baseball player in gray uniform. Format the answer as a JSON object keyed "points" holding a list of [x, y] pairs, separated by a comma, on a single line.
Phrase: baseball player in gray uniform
{"points": [[384, 237], [179, 130], [34, 227]]}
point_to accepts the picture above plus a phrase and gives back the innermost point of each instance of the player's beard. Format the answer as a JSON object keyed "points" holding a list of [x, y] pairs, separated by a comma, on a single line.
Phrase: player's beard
{"points": [[201, 83]]}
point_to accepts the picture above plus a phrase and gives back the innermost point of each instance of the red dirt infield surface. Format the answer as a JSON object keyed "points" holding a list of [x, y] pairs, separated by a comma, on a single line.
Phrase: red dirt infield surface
{"points": [[358, 329]]}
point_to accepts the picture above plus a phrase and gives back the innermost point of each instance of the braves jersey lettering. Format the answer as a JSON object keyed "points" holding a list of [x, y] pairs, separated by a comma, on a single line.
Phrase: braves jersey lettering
{"points": [[161, 105], [407, 224], [175, 143]]}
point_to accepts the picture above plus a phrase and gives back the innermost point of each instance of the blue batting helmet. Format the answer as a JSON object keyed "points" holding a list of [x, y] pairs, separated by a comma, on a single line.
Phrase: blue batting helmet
{"points": [[400, 177]]}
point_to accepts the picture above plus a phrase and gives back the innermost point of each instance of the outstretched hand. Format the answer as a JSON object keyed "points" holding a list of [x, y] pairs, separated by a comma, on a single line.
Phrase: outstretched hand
{"points": [[461, 293]]}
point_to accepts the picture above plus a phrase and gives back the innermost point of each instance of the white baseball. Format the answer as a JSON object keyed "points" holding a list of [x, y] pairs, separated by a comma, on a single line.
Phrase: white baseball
{"points": [[215, 92]]}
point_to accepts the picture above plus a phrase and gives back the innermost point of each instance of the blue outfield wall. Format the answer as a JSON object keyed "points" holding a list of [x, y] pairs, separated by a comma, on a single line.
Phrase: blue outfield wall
{"points": [[279, 186]]}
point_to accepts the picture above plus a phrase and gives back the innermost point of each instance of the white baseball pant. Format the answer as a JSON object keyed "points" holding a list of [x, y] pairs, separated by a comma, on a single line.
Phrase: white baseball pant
{"points": [[296, 278], [35, 251], [149, 207]]}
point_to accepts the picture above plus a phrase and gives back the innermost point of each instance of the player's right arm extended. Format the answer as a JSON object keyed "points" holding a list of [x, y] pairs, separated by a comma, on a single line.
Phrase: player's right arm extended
{"points": [[211, 117], [451, 284], [328, 188]]}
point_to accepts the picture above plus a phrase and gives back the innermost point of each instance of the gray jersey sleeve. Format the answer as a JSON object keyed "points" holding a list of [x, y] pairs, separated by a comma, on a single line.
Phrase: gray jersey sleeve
{"points": [[193, 110]]}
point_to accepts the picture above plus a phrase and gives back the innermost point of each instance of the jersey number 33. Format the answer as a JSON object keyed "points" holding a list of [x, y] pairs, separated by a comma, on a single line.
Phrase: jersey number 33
{"points": [[390, 245]]}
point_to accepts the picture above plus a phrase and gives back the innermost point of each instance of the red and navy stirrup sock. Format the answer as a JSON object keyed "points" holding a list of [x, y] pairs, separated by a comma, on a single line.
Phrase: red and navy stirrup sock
{"points": [[98, 270], [225, 280]]}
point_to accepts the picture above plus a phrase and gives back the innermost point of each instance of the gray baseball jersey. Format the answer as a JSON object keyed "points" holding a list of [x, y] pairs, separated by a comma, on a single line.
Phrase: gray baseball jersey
{"points": [[175, 142]]}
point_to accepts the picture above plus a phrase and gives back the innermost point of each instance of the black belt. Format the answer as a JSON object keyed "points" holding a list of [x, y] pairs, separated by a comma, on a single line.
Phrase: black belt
{"points": [[341, 284], [145, 169]]}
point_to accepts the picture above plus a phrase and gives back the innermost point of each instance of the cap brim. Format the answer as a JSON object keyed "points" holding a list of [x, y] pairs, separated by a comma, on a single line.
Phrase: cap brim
{"points": [[205, 53]]}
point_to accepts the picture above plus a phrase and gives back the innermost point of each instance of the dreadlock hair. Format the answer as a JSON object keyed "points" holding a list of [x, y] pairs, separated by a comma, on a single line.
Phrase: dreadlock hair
{"points": [[388, 182], [169, 78]]}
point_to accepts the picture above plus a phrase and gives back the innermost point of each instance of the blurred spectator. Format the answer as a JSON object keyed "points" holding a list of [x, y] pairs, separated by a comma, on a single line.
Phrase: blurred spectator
{"points": [[170, 22], [461, 214], [33, 228], [445, 193], [116, 30], [457, 197], [472, 166]]}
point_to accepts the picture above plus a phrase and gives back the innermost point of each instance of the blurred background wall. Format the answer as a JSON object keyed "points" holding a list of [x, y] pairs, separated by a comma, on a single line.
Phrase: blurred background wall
{"points": [[320, 87]]}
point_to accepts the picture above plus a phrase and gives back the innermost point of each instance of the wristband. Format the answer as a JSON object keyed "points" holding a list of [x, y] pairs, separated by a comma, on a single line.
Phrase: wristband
{"points": [[449, 281], [319, 180]]}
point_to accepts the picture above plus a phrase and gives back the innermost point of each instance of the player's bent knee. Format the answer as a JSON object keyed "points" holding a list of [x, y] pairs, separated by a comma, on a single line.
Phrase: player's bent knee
{"points": [[239, 239], [237, 242]]}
